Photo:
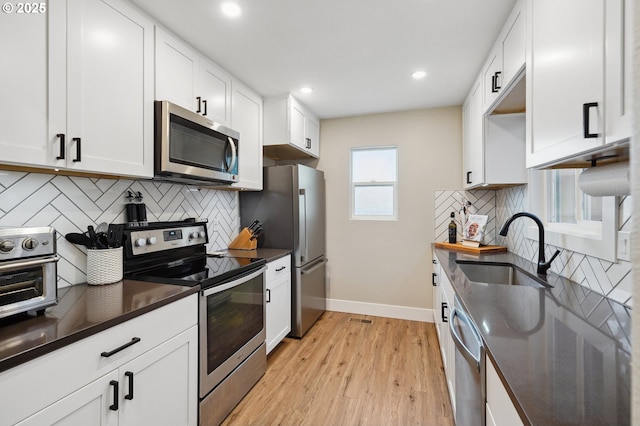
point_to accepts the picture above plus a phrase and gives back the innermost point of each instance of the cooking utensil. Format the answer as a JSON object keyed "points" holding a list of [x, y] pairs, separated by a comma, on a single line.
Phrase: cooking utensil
{"points": [[254, 225], [257, 233], [102, 227], [102, 240], [78, 239], [92, 237]]}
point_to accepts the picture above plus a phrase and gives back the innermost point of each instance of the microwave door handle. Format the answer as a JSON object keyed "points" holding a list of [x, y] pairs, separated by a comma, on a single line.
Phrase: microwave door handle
{"points": [[234, 154]]}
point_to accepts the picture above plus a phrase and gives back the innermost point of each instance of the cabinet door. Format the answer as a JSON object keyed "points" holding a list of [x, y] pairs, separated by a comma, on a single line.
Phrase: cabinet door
{"points": [[214, 88], [110, 88], [565, 85], [513, 44], [492, 77], [23, 91], [313, 136], [246, 107], [437, 298], [500, 408], [278, 311], [473, 143], [160, 386], [176, 71], [297, 123], [92, 404]]}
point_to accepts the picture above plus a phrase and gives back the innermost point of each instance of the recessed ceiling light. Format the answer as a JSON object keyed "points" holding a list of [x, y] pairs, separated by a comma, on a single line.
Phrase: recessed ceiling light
{"points": [[419, 74], [231, 9], [306, 90]]}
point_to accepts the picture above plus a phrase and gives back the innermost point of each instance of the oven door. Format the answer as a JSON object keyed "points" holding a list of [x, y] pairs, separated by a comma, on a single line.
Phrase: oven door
{"points": [[27, 285], [232, 318]]}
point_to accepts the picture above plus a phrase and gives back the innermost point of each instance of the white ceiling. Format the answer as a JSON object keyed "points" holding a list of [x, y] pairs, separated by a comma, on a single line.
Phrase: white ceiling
{"points": [[357, 55]]}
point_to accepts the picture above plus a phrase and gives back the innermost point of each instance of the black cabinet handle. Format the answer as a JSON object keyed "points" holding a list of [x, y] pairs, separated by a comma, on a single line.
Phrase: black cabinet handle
{"points": [[434, 262], [204, 102], [585, 120], [129, 375], [493, 84], [121, 348], [62, 146], [78, 142], [281, 269], [308, 140], [497, 75], [433, 279], [444, 306], [199, 99], [468, 177], [268, 296], [114, 406]]}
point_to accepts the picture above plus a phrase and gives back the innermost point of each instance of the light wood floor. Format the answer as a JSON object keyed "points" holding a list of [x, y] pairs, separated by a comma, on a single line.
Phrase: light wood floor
{"points": [[345, 373]]}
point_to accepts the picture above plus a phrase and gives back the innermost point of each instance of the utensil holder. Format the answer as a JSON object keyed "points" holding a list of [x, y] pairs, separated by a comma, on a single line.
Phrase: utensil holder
{"points": [[104, 266]]}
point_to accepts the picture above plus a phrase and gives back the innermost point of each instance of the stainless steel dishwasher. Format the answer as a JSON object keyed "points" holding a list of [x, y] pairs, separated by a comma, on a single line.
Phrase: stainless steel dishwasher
{"points": [[470, 368]]}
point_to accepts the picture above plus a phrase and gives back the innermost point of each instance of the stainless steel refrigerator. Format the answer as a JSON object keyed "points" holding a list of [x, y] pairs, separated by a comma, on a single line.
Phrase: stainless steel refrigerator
{"points": [[291, 208]]}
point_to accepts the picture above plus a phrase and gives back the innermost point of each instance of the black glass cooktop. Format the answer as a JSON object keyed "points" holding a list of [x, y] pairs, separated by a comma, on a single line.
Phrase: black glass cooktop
{"points": [[206, 271]]}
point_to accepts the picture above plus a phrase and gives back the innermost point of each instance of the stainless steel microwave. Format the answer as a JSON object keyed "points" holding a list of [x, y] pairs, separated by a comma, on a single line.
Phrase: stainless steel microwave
{"points": [[190, 148]]}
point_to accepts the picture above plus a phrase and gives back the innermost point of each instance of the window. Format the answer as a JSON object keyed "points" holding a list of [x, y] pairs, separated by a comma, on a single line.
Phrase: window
{"points": [[374, 183], [573, 220]]}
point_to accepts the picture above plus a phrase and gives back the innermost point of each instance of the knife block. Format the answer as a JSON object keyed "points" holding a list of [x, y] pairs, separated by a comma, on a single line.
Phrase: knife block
{"points": [[243, 241]]}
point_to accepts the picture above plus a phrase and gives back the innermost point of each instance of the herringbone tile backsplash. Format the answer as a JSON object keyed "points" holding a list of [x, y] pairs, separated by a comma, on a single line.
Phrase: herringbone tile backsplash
{"points": [[70, 204], [606, 278]]}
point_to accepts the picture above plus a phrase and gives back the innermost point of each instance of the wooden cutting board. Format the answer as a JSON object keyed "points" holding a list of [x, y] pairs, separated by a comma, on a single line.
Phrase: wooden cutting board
{"points": [[467, 249]]}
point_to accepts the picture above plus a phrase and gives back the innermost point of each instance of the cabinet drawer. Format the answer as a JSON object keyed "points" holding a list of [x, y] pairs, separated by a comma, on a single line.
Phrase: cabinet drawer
{"points": [[47, 379], [278, 268]]}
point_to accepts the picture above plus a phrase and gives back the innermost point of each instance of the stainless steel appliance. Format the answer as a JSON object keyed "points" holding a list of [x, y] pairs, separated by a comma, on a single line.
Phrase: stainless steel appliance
{"points": [[291, 208], [191, 148], [231, 309], [28, 270], [470, 368]]}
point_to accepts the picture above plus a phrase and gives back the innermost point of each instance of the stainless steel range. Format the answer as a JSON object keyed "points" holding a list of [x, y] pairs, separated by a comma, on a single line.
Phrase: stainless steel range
{"points": [[231, 310], [28, 270]]}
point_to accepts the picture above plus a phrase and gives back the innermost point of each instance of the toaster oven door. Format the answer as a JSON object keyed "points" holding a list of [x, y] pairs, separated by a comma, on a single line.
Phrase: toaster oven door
{"points": [[27, 285]]}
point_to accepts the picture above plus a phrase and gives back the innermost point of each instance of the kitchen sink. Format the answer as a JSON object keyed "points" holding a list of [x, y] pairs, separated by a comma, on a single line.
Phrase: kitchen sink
{"points": [[498, 273]]}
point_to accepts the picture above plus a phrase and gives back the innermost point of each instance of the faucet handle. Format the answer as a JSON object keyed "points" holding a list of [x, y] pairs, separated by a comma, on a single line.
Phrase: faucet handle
{"points": [[554, 256], [544, 266]]}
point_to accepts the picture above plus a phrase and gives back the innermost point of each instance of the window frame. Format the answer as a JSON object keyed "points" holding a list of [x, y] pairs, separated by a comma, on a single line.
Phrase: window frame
{"points": [[584, 238], [353, 184]]}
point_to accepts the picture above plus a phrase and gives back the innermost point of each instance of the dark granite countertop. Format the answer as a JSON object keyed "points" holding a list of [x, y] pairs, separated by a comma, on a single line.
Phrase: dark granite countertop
{"points": [[82, 311], [563, 353], [269, 254]]}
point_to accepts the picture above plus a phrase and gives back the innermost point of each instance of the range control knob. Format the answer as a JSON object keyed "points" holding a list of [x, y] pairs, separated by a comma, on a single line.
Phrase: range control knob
{"points": [[141, 242], [193, 235], [202, 234], [30, 244], [6, 246], [152, 240]]}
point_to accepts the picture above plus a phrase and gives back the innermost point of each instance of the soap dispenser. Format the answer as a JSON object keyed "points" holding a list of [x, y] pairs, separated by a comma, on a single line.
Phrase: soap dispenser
{"points": [[453, 229]]}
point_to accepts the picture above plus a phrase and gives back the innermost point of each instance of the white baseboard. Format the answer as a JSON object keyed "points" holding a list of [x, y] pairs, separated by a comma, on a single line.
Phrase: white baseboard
{"points": [[380, 310]]}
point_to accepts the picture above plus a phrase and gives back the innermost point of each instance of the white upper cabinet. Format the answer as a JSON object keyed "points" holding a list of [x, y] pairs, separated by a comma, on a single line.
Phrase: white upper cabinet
{"points": [[291, 131], [83, 80], [472, 143], [507, 58], [190, 80], [246, 113], [571, 109]]}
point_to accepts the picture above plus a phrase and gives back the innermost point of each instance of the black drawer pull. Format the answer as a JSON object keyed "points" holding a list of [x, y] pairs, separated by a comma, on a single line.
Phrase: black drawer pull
{"points": [[433, 279], [121, 348], [444, 306], [281, 269], [129, 375], [204, 102], [468, 177], [62, 146], [268, 296], [114, 406], [199, 99]]}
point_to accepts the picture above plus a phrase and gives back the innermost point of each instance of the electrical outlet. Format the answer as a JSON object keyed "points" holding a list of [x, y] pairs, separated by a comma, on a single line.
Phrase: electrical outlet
{"points": [[624, 245], [216, 225]]}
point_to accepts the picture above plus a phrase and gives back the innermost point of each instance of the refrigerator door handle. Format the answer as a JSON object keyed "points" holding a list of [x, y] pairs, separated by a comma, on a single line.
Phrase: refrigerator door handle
{"points": [[313, 267], [304, 249]]}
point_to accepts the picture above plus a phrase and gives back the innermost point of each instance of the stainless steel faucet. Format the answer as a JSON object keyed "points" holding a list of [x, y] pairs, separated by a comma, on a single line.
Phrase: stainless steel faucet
{"points": [[542, 265]]}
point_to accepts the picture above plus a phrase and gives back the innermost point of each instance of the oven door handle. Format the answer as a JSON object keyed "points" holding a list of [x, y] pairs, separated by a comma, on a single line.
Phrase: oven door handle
{"points": [[27, 263], [234, 283]]}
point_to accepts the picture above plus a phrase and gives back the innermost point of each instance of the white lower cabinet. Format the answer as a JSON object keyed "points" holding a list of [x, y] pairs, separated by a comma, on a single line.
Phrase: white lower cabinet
{"points": [[152, 380], [443, 301], [278, 312], [500, 411]]}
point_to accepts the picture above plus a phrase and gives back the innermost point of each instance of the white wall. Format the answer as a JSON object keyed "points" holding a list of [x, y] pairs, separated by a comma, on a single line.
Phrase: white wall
{"points": [[384, 267]]}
